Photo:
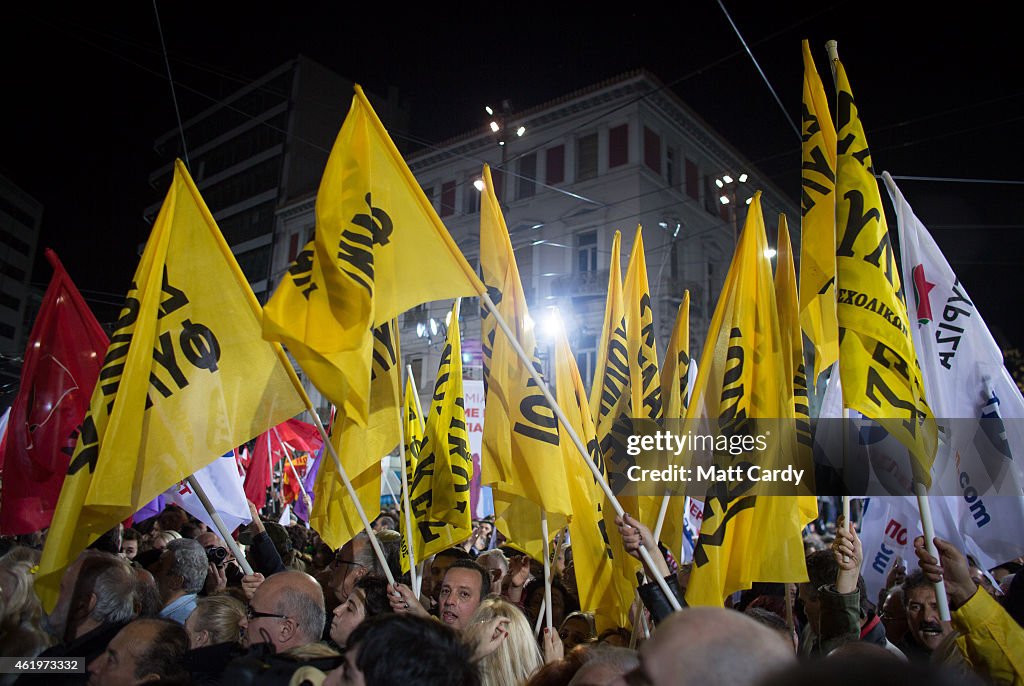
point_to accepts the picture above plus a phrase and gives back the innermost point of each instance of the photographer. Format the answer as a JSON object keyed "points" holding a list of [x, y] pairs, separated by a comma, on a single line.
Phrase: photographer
{"points": [[222, 570]]}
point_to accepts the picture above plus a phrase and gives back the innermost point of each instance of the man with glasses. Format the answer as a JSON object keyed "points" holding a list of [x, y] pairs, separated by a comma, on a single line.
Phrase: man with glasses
{"points": [[287, 612]]}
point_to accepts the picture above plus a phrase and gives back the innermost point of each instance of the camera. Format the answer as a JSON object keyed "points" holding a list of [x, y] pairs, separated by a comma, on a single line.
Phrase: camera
{"points": [[216, 555]]}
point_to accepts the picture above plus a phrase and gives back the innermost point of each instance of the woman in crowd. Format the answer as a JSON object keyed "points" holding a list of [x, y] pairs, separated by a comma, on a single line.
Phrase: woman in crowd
{"points": [[517, 655]]}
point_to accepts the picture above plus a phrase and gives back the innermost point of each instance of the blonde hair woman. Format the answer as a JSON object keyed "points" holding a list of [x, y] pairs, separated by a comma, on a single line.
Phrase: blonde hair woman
{"points": [[215, 620], [517, 654]]}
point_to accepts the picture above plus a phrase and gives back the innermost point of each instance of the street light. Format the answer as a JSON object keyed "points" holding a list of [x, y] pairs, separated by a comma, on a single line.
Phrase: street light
{"points": [[730, 191]]}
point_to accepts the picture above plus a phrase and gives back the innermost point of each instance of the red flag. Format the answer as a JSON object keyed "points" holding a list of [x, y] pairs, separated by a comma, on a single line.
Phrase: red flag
{"points": [[269, 450], [63, 359]]}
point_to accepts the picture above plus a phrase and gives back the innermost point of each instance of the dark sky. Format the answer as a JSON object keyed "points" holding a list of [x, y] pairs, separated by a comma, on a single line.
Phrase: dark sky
{"points": [[941, 95]]}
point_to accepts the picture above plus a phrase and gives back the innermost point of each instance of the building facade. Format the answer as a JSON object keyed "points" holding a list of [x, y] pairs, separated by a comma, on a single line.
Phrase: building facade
{"points": [[617, 155], [20, 219], [262, 148]]}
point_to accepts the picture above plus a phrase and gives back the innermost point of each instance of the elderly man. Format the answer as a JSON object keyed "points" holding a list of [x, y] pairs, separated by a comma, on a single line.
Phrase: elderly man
{"points": [[710, 645], [286, 611], [180, 574], [144, 650]]}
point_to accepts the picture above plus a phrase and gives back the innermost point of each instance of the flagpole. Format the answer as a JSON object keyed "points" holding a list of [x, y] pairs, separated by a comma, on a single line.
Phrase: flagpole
{"points": [[219, 523], [337, 463], [540, 618], [929, 541], [413, 577], [547, 566], [661, 515], [298, 480], [542, 385]]}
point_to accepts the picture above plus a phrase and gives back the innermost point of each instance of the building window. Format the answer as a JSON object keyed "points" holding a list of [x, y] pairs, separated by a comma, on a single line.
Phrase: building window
{"points": [[652, 150], [670, 167], [293, 247], [692, 189], [586, 358], [586, 157], [711, 203], [526, 182], [618, 145], [255, 264], [555, 165], [586, 251], [447, 198], [472, 196]]}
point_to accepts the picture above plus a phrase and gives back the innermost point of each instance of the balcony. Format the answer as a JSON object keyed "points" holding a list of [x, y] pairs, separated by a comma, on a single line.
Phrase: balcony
{"points": [[580, 283]]}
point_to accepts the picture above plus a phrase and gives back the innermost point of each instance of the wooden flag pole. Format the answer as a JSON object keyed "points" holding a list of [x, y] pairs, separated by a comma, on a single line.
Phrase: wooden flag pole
{"points": [[222, 528], [542, 385]]}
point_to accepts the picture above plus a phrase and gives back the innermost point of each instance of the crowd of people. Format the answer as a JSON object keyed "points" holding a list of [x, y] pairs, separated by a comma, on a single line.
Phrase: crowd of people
{"points": [[166, 601]]}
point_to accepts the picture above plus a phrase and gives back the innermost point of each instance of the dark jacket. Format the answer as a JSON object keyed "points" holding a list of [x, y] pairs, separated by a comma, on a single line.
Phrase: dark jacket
{"points": [[654, 598]]}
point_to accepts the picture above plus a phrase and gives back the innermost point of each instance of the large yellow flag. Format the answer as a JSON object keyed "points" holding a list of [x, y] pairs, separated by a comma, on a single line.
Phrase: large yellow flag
{"points": [[644, 378], [817, 235], [793, 358], [187, 378], [792, 341], [675, 396], [611, 400], [598, 557], [877, 363], [746, 536], [611, 405], [440, 487], [360, 448], [521, 453], [375, 231]]}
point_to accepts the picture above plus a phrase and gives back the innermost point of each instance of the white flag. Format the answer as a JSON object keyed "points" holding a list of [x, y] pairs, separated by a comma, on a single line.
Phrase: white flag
{"points": [[976, 403], [223, 487]]}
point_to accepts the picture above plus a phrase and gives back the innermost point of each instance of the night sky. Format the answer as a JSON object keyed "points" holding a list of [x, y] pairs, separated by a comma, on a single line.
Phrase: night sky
{"points": [[940, 95]]}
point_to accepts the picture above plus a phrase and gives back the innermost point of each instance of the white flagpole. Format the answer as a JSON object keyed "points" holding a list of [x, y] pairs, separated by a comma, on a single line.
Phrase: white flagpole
{"points": [[542, 385], [413, 580], [929, 535], [547, 567], [661, 515], [222, 528]]}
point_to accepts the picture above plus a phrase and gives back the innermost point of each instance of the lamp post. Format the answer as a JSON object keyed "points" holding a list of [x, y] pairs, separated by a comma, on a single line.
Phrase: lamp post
{"points": [[503, 132], [730, 187]]}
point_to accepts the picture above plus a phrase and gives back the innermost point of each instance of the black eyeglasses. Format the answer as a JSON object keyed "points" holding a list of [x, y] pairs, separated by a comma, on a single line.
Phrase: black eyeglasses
{"points": [[253, 614], [337, 562]]}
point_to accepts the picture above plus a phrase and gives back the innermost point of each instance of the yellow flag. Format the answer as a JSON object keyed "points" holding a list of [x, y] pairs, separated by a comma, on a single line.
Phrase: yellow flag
{"points": [[792, 340], [413, 434], [746, 536], [597, 555], [793, 359], [611, 399], [187, 377], [519, 521], [877, 363], [521, 453], [611, 405], [817, 206], [360, 448], [675, 386], [375, 231], [440, 487], [644, 378], [675, 395]]}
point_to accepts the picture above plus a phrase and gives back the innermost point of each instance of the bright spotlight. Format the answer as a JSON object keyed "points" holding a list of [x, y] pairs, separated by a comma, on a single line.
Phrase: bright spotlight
{"points": [[770, 253], [478, 184]]}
